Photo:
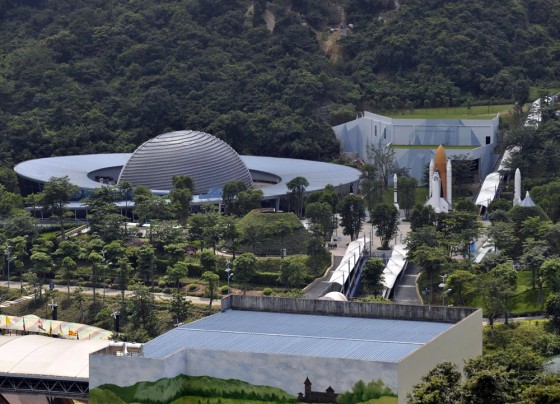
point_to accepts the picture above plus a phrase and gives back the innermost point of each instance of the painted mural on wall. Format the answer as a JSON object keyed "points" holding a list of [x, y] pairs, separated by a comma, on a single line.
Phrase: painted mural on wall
{"points": [[209, 390]]}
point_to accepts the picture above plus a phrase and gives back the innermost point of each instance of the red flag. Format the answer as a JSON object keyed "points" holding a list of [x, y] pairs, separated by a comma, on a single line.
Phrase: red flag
{"points": [[41, 326]]}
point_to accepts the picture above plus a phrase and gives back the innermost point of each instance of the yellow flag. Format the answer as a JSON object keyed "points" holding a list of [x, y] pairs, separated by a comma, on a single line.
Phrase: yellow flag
{"points": [[8, 320]]}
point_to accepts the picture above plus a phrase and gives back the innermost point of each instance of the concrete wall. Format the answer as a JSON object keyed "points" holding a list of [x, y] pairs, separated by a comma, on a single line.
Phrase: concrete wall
{"points": [[289, 372], [282, 371], [128, 370], [359, 135], [460, 342], [347, 309]]}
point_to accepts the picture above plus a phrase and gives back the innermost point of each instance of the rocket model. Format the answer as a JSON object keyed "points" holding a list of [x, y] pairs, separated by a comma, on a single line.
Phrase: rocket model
{"points": [[449, 181], [517, 188], [440, 182], [395, 196]]}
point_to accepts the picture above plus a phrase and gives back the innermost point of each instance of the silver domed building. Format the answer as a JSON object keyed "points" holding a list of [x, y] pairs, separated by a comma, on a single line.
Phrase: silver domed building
{"points": [[210, 162]]}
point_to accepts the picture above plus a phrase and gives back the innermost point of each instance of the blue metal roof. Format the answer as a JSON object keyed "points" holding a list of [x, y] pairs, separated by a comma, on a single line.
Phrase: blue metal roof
{"points": [[366, 339]]}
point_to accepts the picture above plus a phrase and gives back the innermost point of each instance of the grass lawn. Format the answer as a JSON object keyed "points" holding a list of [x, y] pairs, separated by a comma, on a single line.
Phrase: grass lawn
{"points": [[421, 195], [537, 92], [417, 147], [523, 302], [525, 299], [476, 112]]}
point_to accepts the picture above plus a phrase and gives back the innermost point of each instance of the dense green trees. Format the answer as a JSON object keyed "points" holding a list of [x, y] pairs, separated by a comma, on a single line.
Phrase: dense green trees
{"points": [[56, 193], [407, 193], [296, 192], [372, 276], [88, 77], [353, 213], [385, 218], [245, 267]]}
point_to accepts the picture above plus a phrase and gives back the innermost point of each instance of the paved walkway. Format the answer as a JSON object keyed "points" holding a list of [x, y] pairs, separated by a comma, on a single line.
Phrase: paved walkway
{"points": [[406, 291], [318, 286], [99, 292]]}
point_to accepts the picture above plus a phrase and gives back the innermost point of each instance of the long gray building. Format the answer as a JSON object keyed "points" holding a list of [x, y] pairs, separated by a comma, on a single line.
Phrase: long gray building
{"points": [[280, 342], [416, 140]]}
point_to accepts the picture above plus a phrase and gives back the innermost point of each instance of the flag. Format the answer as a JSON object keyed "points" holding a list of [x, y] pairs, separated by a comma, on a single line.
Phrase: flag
{"points": [[23, 324], [50, 329], [8, 320], [72, 333], [59, 332], [41, 326]]}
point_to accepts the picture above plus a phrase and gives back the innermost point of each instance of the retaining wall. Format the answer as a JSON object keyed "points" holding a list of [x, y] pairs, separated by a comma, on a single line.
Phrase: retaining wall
{"points": [[347, 309]]}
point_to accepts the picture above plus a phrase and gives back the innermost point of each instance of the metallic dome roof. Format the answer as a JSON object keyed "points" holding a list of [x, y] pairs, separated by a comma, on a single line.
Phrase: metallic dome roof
{"points": [[210, 162]]}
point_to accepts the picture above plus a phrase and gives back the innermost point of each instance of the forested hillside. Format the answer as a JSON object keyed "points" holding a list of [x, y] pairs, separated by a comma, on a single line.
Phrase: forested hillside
{"points": [[82, 76]]}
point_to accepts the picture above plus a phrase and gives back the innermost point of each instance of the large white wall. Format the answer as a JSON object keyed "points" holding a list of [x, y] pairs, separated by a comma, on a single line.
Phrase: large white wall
{"points": [[289, 372], [359, 135], [128, 370], [460, 342]]}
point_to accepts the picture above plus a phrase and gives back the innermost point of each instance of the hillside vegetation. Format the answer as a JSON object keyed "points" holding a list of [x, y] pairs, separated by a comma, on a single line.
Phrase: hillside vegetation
{"points": [[168, 390], [96, 76]]}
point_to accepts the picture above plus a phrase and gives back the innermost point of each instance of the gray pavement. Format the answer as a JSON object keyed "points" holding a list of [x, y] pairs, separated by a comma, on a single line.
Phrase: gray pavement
{"points": [[406, 291], [319, 285], [99, 292]]}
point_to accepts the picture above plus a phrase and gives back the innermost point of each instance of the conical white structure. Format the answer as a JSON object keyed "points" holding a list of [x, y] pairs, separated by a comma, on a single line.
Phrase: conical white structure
{"points": [[395, 195], [449, 183]]}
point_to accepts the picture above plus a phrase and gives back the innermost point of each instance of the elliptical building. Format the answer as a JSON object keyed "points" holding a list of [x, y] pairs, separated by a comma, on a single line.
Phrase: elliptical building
{"points": [[209, 161]]}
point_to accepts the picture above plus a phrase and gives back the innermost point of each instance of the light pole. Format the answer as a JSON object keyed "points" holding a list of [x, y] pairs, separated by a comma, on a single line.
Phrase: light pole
{"points": [[9, 257], [104, 275], [442, 286], [229, 272], [445, 294]]}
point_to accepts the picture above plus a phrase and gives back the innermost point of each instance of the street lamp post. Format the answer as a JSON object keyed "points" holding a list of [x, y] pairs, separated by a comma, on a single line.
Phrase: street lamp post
{"points": [[445, 294], [229, 272], [104, 274], [442, 286], [9, 257]]}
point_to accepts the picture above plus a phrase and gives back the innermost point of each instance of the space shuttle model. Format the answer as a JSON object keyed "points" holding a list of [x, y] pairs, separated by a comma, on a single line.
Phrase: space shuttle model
{"points": [[440, 197]]}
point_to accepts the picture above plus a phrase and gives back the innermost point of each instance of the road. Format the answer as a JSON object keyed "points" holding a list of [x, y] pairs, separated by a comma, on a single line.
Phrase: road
{"points": [[99, 291]]}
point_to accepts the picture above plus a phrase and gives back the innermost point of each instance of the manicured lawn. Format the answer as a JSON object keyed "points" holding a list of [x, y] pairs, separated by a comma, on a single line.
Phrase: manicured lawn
{"points": [[396, 146], [383, 400], [421, 194], [525, 299], [476, 112]]}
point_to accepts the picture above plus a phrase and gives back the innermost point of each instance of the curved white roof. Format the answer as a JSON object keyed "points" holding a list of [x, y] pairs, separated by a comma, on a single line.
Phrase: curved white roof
{"points": [[395, 265], [75, 167], [351, 257], [489, 189], [35, 355], [339, 297], [318, 174]]}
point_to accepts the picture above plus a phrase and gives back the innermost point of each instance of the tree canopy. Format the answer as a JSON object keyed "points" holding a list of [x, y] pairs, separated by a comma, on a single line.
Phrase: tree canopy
{"points": [[90, 76]]}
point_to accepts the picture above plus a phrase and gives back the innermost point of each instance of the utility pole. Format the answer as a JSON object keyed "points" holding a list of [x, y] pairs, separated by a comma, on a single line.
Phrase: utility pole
{"points": [[9, 258]]}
